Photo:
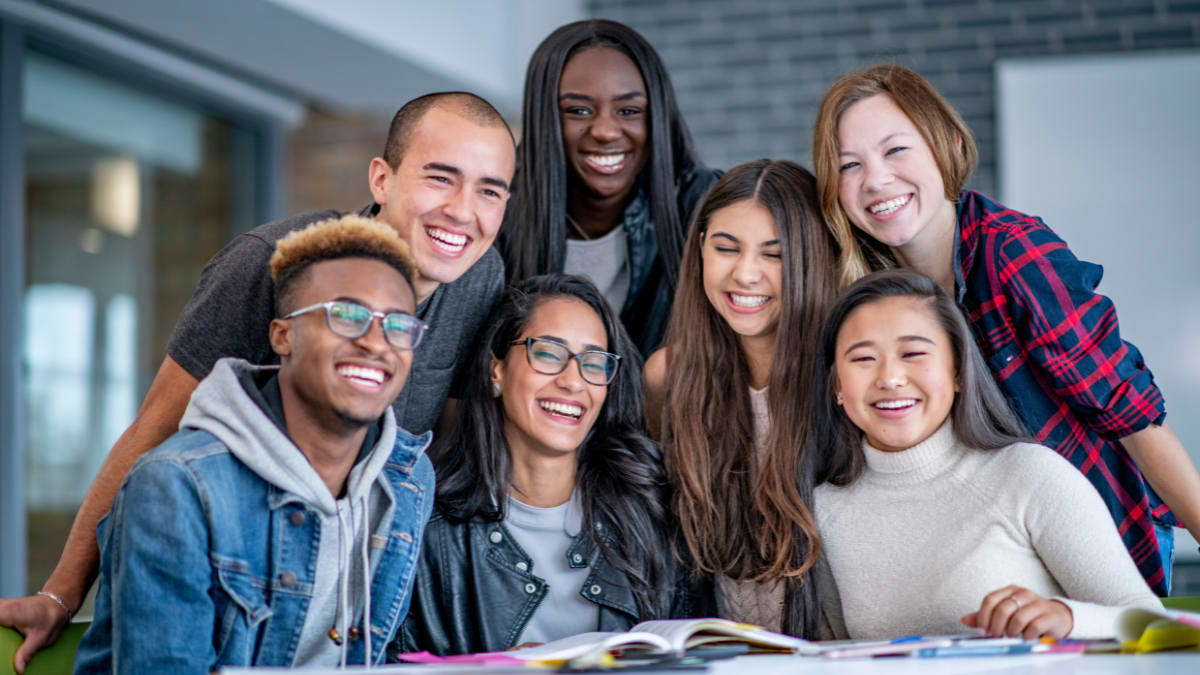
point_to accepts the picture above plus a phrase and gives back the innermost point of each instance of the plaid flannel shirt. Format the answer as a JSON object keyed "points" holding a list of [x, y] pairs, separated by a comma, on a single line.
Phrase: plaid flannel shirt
{"points": [[1054, 346]]}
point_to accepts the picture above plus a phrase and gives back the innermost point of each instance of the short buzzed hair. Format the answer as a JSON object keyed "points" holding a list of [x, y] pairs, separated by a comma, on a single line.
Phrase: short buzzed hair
{"points": [[350, 236], [405, 122]]}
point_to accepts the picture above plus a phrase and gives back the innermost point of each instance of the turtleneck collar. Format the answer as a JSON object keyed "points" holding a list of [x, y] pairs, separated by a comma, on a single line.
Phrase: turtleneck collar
{"points": [[922, 461]]}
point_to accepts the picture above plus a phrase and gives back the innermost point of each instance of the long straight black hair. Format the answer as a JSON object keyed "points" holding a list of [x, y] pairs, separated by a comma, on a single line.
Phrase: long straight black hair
{"points": [[533, 239], [981, 415], [620, 476]]}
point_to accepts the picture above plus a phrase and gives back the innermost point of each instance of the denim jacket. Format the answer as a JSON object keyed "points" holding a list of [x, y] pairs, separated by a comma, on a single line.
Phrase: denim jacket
{"points": [[205, 564], [476, 592]]}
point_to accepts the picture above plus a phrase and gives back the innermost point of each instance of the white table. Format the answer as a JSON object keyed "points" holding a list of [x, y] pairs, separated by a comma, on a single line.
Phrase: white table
{"points": [[1168, 663]]}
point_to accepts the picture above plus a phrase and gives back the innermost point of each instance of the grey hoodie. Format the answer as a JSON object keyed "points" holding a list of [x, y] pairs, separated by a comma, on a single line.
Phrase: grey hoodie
{"points": [[341, 595]]}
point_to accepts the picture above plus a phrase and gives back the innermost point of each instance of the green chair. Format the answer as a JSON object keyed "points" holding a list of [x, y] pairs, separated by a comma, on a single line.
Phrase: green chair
{"points": [[1188, 603], [57, 659]]}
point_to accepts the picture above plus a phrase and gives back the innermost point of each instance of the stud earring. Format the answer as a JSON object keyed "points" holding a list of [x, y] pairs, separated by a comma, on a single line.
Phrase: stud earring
{"points": [[495, 389], [839, 398]]}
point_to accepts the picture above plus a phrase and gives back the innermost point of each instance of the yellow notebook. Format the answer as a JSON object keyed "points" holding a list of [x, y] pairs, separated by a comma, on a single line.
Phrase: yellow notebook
{"points": [[1142, 630]]}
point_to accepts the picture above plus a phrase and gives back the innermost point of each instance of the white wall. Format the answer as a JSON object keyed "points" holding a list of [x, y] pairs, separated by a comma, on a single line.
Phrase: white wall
{"points": [[485, 44], [1106, 149]]}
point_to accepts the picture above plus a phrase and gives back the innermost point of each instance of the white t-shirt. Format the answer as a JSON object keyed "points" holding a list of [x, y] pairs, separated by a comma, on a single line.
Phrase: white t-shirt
{"points": [[604, 262], [546, 534]]}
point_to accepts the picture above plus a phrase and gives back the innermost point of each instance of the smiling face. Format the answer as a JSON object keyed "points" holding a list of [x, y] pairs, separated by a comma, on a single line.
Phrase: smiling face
{"points": [[740, 253], [343, 382], [895, 372], [889, 184], [551, 414], [604, 112], [447, 197]]}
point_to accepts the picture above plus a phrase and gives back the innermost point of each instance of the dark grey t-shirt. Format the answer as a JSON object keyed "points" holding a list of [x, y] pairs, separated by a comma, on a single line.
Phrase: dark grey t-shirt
{"points": [[231, 310]]}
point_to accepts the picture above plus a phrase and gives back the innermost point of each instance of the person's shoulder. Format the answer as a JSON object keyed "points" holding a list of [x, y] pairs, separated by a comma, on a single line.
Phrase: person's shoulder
{"points": [[260, 241], [654, 373], [180, 464], [997, 221], [696, 181], [185, 445], [487, 273], [1028, 464], [277, 229]]}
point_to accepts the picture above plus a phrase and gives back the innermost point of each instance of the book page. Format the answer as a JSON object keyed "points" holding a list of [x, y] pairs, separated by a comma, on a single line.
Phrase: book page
{"points": [[583, 643], [686, 633]]}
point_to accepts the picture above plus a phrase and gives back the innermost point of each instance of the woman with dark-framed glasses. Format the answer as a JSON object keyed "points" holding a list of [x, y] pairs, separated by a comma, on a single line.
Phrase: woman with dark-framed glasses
{"points": [[549, 517]]}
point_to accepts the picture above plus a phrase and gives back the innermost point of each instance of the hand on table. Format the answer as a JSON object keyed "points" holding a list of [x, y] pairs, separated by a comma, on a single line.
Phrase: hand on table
{"points": [[1019, 612], [38, 618]]}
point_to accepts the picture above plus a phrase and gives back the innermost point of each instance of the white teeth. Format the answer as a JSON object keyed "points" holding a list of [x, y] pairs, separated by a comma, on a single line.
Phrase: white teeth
{"points": [[449, 239], [748, 300], [895, 404], [884, 208], [360, 373], [561, 408], [607, 160]]}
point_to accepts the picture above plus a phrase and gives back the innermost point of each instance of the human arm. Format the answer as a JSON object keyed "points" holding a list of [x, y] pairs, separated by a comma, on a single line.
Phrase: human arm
{"points": [[1073, 536], [1073, 335], [39, 618], [227, 315], [1169, 470], [654, 383], [159, 575]]}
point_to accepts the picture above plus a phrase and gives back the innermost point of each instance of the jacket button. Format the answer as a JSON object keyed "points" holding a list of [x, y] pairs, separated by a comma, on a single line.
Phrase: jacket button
{"points": [[297, 518], [495, 537], [576, 558], [288, 579], [530, 589], [522, 566], [594, 590]]}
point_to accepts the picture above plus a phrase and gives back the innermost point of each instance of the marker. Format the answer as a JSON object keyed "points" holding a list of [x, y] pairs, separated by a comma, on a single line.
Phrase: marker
{"points": [[975, 651]]}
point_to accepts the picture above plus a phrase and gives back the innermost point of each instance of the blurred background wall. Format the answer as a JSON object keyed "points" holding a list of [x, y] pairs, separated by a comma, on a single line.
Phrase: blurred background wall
{"points": [[138, 136]]}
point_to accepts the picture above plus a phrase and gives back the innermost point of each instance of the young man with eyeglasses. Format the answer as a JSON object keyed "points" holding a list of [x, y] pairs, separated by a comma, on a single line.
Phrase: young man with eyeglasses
{"points": [[442, 185], [280, 525]]}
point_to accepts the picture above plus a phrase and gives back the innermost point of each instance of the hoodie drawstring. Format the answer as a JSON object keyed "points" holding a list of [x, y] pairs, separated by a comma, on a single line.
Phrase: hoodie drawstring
{"points": [[345, 547], [366, 570]]}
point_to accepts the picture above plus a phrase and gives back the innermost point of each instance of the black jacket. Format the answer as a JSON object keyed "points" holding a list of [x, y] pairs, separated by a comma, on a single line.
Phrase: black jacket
{"points": [[474, 593]]}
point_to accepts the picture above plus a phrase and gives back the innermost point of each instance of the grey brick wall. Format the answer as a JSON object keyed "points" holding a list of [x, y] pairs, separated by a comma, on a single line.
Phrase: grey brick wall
{"points": [[750, 73]]}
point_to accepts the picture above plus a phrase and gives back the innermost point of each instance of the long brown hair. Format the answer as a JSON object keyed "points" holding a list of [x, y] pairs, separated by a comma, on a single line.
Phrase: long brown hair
{"points": [[741, 515], [948, 137]]}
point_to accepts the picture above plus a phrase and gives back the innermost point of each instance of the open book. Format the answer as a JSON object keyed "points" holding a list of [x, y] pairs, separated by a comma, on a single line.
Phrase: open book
{"points": [[1143, 630], [670, 636]]}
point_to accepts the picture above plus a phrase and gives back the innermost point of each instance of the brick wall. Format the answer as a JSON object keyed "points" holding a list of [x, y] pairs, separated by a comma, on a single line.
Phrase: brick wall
{"points": [[750, 74]]}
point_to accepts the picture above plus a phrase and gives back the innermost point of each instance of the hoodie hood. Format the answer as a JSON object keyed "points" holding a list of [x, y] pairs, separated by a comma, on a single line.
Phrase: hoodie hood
{"points": [[221, 406]]}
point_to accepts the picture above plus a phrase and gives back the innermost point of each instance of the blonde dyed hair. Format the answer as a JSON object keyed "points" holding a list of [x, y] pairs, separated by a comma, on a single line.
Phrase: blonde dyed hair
{"points": [[350, 236], [940, 125]]}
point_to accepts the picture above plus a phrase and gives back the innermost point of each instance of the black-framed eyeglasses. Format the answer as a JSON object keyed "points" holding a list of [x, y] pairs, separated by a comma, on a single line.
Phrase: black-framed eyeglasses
{"points": [[350, 319], [550, 358]]}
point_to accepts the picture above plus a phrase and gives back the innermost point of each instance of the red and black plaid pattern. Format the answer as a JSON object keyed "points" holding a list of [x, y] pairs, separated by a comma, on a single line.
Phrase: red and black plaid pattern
{"points": [[1055, 348]]}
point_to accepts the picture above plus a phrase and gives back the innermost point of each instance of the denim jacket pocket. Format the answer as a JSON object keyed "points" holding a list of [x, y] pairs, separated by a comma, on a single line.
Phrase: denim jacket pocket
{"points": [[241, 609]]}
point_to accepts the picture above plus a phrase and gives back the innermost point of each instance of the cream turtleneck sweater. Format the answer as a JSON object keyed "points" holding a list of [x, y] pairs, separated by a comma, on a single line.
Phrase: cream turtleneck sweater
{"points": [[924, 534]]}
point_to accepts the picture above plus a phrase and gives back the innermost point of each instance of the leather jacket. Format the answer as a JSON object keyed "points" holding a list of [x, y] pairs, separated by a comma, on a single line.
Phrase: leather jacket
{"points": [[650, 295], [474, 592]]}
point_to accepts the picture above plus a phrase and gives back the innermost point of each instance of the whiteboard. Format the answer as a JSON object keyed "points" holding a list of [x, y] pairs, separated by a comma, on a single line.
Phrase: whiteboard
{"points": [[1106, 149]]}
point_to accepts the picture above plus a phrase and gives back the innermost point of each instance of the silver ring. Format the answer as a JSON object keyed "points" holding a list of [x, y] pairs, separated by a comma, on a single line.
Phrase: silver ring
{"points": [[1014, 599]]}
